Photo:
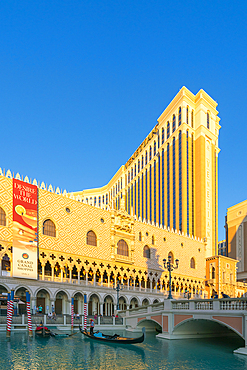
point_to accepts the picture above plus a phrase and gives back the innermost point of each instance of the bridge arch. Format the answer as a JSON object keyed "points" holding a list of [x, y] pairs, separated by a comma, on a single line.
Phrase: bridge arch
{"points": [[149, 324], [193, 327]]}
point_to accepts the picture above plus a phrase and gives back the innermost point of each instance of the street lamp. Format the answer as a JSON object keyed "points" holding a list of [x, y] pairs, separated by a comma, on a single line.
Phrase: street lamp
{"points": [[170, 267], [118, 287]]}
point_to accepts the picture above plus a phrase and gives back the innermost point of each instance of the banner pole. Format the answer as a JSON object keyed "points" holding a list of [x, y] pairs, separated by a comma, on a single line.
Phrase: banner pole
{"points": [[8, 314], [29, 320], [85, 312], [72, 314]]}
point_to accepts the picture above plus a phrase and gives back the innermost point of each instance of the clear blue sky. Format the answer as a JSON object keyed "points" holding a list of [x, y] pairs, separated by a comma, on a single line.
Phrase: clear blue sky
{"points": [[83, 82]]}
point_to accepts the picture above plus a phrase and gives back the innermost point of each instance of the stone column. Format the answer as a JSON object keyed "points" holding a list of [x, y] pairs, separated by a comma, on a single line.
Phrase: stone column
{"points": [[101, 309], [78, 276], [52, 273], [128, 286], [145, 285], [101, 279], [108, 279], [70, 276], [43, 271], [61, 274], [86, 278], [94, 279]]}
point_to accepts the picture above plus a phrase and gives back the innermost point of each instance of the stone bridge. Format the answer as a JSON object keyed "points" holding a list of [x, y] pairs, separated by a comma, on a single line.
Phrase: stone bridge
{"points": [[200, 318]]}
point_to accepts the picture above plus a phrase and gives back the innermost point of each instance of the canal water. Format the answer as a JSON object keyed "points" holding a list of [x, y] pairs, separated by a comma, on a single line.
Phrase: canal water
{"points": [[77, 352]]}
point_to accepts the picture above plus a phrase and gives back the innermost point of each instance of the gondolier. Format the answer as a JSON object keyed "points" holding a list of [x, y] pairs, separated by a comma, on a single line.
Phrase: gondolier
{"points": [[91, 327]]}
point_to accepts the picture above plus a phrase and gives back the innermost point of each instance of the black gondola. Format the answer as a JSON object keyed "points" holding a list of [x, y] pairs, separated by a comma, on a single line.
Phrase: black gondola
{"points": [[43, 331], [100, 337]]}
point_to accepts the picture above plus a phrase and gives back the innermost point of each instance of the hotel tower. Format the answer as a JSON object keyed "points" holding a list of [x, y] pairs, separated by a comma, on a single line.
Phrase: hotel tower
{"points": [[172, 177]]}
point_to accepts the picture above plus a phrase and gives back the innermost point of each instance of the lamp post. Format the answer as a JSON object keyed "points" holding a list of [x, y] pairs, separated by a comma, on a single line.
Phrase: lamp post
{"points": [[118, 287], [170, 267]]}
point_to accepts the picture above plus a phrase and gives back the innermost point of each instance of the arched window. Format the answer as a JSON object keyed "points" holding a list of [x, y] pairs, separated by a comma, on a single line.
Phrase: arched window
{"points": [[179, 116], [173, 123], [91, 238], [150, 153], [192, 119], [155, 148], [213, 272], [168, 130], [2, 217], [170, 257], [153, 240], [192, 263], [146, 252], [49, 228], [207, 120], [122, 248], [162, 136], [140, 236]]}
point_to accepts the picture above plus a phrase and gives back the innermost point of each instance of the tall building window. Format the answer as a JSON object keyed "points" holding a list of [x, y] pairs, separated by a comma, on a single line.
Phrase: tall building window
{"points": [[155, 192], [168, 130], [187, 178], [121, 183], [103, 199], [132, 198], [192, 119], [171, 257], [2, 217], [100, 201], [135, 170], [192, 184], [174, 180], [142, 161], [122, 248], [146, 157], [187, 115], [142, 202], [95, 201], [138, 165], [154, 148], [192, 263], [180, 178], [49, 228], [135, 213], [106, 199], [173, 123], [138, 209], [207, 120], [162, 136], [128, 177], [150, 193], [146, 194], [91, 238], [150, 153], [179, 116], [168, 185], [131, 174], [146, 252], [163, 187], [129, 201]]}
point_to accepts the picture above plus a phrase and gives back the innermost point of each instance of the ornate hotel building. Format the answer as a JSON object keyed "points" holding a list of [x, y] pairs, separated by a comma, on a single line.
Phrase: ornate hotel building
{"points": [[162, 202], [172, 178]]}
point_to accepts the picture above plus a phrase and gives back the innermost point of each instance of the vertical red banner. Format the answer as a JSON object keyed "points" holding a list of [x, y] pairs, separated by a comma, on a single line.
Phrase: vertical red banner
{"points": [[25, 214]]}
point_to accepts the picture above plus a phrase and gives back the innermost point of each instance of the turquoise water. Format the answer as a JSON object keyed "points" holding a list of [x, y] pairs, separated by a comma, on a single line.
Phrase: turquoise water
{"points": [[77, 352]]}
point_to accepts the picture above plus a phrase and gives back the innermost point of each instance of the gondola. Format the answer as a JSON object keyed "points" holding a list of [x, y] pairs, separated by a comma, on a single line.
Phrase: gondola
{"points": [[100, 337], [43, 331]]}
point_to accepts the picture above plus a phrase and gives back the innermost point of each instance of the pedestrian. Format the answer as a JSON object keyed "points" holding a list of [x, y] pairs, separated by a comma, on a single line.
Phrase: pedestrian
{"points": [[40, 309], [91, 327]]}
